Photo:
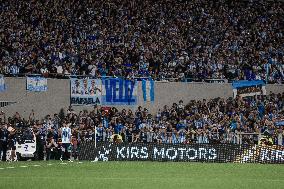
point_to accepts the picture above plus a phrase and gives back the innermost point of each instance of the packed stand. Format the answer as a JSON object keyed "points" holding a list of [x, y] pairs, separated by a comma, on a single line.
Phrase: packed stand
{"points": [[161, 39], [218, 120]]}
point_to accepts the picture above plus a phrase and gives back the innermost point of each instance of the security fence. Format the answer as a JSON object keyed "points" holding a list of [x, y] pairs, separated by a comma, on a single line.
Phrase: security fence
{"points": [[183, 137]]}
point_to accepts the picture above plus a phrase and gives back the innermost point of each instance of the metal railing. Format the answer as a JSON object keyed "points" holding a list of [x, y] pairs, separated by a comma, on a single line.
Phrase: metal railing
{"points": [[68, 76], [213, 137]]}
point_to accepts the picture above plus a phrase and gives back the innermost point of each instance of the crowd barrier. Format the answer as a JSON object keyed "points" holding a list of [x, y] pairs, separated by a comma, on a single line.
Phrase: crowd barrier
{"points": [[220, 153]]}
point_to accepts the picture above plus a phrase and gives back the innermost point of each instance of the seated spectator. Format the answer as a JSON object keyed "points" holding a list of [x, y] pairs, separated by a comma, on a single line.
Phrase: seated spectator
{"points": [[177, 41]]}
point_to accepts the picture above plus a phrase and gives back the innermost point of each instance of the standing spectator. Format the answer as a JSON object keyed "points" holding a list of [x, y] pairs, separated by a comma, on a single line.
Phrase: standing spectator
{"points": [[3, 142]]}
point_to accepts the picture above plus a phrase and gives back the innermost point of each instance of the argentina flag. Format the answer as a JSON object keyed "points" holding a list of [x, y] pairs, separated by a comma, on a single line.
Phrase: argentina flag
{"points": [[2, 83], [37, 84], [148, 90]]}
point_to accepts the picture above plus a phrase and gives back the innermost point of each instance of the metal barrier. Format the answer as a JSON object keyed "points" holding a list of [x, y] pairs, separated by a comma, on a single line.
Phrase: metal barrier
{"points": [[68, 76], [170, 137]]}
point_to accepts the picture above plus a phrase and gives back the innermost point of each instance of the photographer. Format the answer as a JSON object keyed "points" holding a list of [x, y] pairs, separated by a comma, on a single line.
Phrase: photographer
{"points": [[51, 147], [12, 142], [40, 138], [3, 142]]}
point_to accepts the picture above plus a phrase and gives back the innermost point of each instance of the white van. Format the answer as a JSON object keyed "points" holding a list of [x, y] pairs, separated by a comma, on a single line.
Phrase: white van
{"points": [[26, 147]]}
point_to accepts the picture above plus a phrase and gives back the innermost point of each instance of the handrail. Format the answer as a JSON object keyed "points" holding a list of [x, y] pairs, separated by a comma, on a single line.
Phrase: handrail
{"points": [[185, 79], [68, 76], [236, 138], [242, 133]]}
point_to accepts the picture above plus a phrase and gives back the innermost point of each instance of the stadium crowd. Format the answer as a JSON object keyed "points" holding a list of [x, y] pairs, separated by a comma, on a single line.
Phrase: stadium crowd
{"points": [[203, 121], [198, 39]]}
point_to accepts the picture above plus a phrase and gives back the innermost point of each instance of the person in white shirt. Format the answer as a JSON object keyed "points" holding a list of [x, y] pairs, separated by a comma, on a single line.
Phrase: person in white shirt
{"points": [[59, 69], [66, 135]]}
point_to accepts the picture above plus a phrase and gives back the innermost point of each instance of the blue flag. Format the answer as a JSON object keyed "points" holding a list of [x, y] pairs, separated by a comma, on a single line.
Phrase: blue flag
{"points": [[117, 91], [148, 89], [2, 84]]}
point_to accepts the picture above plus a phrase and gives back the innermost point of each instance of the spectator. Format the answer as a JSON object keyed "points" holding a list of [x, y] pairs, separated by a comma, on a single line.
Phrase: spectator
{"points": [[160, 39], [207, 121]]}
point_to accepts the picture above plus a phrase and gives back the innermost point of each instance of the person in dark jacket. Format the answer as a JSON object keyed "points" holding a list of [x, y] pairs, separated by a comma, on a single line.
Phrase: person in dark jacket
{"points": [[3, 142]]}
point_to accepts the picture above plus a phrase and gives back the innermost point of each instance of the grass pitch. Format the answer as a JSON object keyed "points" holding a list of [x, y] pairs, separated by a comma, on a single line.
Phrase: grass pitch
{"points": [[132, 175]]}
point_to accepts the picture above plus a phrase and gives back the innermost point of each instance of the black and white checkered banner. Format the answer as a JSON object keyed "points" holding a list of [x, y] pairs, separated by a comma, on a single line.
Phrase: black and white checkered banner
{"points": [[181, 152]]}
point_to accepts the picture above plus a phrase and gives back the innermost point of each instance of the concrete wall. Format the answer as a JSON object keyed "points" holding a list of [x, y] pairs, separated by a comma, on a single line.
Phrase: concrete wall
{"points": [[43, 103], [58, 95]]}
